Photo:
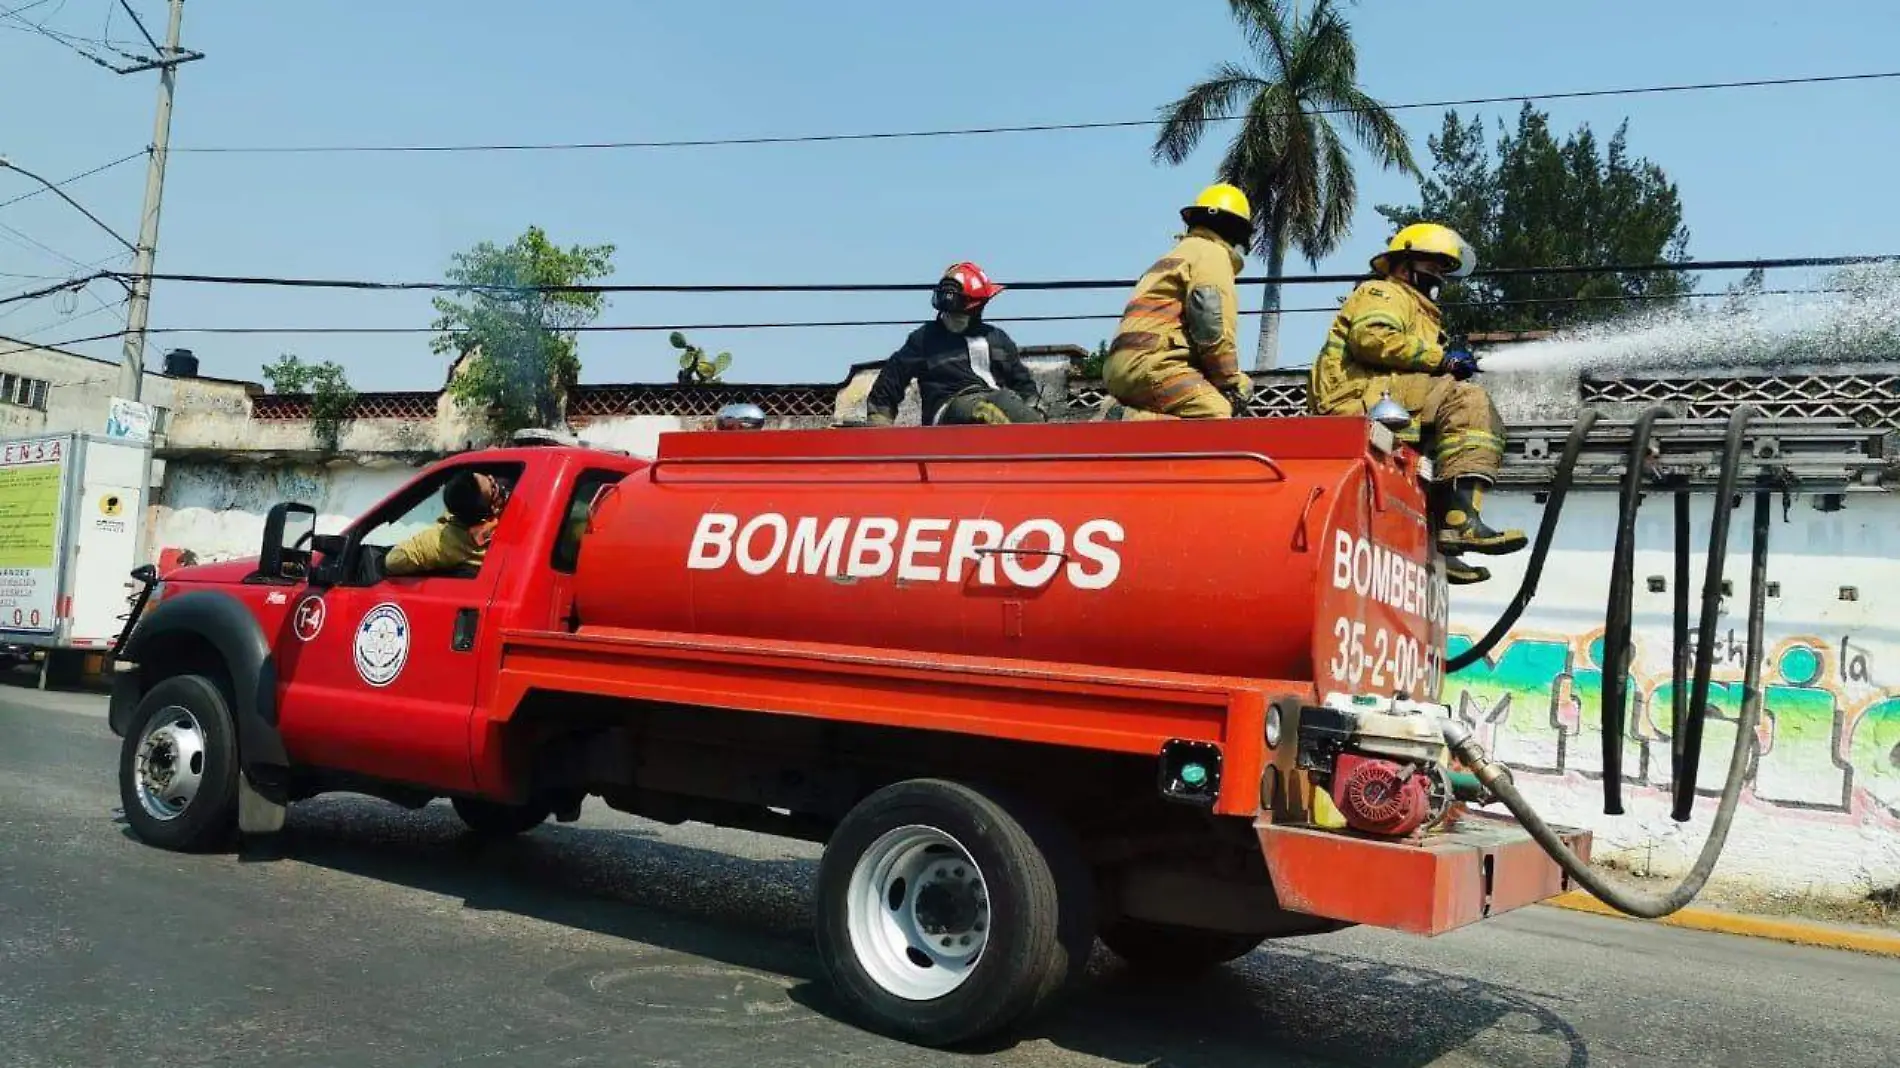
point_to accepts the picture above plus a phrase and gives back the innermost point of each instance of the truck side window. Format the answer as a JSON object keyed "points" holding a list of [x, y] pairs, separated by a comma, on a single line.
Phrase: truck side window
{"points": [[411, 515], [567, 544]]}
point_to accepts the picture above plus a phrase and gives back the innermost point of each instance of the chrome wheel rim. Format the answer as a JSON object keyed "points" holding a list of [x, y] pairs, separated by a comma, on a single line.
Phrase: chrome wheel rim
{"points": [[171, 763], [917, 913]]}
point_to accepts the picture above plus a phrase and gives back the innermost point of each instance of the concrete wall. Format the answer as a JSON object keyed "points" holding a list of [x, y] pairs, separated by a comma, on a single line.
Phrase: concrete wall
{"points": [[213, 421], [1822, 807], [215, 507], [79, 392]]}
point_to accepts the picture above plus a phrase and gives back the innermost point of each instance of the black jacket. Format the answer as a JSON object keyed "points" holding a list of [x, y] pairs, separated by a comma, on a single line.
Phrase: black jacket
{"points": [[940, 362]]}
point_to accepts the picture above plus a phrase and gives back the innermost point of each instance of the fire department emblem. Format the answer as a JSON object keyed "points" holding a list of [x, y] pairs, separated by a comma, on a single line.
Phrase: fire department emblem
{"points": [[307, 618], [382, 644]]}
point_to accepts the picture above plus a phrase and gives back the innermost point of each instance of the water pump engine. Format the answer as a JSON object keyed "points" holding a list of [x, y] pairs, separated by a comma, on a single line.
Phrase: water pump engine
{"points": [[1383, 762]]}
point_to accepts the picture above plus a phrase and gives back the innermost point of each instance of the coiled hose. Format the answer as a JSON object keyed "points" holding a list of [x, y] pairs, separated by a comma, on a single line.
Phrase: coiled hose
{"points": [[1497, 779]]}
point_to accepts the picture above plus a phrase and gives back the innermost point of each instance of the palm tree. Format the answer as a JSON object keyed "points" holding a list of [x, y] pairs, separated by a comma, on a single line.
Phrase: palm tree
{"points": [[1287, 156]]}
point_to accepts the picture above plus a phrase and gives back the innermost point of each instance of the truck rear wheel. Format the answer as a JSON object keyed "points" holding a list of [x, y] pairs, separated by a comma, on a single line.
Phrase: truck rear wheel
{"points": [[942, 916], [1173, 951], [491, 819], [178, 766]]}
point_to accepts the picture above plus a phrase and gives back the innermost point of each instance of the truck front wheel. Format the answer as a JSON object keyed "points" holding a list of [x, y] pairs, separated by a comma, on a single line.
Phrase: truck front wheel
{"points": [[1176, 952], [178, 766], [940, 912], [491, 819]]}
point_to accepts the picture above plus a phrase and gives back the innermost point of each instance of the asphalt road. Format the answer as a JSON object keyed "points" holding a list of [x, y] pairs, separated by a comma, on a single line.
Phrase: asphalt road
{"points": [[370, 936]]}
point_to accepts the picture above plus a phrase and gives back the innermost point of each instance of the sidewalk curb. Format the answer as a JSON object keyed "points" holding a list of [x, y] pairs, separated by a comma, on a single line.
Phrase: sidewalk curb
{"points": [[1799, 932]]}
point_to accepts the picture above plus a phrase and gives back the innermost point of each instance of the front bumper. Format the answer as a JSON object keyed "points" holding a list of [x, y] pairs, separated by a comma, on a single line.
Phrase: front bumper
{"points": [[1478, 867]]}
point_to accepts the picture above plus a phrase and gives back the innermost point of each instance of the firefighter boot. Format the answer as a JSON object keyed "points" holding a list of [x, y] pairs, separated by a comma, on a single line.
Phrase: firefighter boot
{"points": [[1460, 527], [1459, 573]]}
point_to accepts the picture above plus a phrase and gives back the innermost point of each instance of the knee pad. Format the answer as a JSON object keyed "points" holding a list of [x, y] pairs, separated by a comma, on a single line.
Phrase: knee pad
{"points": [[988, 412]]}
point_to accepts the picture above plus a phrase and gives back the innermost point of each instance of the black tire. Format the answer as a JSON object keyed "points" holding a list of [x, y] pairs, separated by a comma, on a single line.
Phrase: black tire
{"points": [[1165, 949], [195, 708], [1036, 912], [491, 819]]}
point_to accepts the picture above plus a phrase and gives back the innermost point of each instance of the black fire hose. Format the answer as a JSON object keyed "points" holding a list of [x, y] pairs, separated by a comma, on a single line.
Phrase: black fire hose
{"points": [[1540, 548], [1691, 733], [1617, 647], [1497, 779]]}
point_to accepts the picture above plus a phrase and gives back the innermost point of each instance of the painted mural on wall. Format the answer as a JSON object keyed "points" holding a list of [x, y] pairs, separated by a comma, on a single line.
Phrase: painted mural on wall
{"points": [[1828, 741]]}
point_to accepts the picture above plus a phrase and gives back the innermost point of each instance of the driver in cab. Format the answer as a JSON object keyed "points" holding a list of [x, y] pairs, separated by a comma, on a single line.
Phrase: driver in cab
{"points": [[458, 539]]}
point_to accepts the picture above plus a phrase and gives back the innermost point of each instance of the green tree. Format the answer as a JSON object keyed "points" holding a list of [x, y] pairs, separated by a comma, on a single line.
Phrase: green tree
{"points": [[328, 388], [520, 337], [1288, 156], [1540, 202]]}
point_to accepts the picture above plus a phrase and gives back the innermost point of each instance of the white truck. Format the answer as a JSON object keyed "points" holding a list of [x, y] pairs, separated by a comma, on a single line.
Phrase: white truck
{"points": [[70, 520]]}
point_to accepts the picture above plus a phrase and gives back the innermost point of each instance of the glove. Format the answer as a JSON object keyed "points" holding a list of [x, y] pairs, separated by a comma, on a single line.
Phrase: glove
{"points": [[1241, 385], [881, 419], [1461, 364]]}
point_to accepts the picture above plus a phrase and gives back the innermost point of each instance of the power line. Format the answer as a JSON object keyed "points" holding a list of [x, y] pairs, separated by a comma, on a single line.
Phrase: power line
{"points": [[977, 131], [7, 164], [1029, 286], [69, 40], [68, 181], [57, 287], [641, 328]]}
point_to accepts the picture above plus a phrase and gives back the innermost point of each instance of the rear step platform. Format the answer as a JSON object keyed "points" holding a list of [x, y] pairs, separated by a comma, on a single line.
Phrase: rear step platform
{"points": [[1482, 866]]}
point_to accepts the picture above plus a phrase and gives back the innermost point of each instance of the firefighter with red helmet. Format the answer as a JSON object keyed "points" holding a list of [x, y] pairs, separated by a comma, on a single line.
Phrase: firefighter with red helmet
{"points": [[967, 370]]}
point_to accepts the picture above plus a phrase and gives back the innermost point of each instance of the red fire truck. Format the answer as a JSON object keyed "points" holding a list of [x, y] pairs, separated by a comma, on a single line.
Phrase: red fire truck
{"points": [[1167, 684]]}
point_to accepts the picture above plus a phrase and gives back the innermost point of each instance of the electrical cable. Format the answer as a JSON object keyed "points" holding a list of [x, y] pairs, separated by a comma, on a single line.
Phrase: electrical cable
{"points": [[82, 174], [642, 328], [1034, 286], [974, 131]]}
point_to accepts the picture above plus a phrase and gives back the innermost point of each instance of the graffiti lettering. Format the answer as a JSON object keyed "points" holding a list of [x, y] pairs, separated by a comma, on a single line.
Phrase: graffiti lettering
{"points": [[1824, 742], [1854, 664]]}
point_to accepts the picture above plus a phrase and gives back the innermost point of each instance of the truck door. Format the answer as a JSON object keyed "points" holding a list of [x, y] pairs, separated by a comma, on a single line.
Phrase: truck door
{"points": [[378, 674]]}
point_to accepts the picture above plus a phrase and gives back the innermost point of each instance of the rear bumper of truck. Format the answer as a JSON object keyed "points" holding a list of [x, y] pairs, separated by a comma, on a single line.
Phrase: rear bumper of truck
{"points": [[1481, 867]]}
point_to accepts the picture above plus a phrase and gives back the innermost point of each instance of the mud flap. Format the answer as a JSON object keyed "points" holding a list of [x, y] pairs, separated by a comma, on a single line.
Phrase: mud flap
{"points": [[257, 814]]}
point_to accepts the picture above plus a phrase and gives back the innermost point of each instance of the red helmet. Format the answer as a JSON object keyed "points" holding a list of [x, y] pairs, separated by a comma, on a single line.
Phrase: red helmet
{"points": [[964, 288]]}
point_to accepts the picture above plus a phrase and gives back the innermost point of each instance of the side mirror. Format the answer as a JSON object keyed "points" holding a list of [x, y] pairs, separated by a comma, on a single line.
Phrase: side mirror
{"points": [[288, 529], [328, 571]]}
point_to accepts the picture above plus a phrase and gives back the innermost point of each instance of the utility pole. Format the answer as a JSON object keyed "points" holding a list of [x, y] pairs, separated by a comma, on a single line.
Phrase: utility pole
{"points": [[132, 365]]}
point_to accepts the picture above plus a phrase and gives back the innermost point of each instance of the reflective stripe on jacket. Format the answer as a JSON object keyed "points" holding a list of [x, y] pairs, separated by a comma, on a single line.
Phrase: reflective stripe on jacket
{"points": [[1180, 321], [1383, 327]]}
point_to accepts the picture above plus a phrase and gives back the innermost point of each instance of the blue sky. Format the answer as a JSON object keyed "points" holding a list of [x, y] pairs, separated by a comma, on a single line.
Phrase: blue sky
{"points": [[1763, 172]]}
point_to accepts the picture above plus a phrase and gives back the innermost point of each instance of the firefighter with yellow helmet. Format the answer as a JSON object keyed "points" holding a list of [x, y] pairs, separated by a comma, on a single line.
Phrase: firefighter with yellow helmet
{"points": [[1175, 354], [1388, 339]]}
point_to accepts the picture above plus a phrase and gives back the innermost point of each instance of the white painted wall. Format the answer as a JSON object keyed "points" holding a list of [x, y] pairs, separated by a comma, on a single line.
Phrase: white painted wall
{"points": [[216, 508], [1822, 808], [79, 391]]}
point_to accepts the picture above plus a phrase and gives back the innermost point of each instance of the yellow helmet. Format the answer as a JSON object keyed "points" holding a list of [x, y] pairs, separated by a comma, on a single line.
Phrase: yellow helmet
{"points": [[1428, 239], [1224, 209]]}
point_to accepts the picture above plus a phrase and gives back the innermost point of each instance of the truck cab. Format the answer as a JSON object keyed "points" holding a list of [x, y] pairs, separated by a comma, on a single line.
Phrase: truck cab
{"points": [[345, 673]]}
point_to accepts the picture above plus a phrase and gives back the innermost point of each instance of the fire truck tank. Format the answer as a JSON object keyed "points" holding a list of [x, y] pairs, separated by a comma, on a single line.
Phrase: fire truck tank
{"points": [[1291, 549]]}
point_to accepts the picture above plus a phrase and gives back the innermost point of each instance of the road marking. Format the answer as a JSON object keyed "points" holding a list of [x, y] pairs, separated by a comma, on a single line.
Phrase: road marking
{"points": [[1799, 932]]}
